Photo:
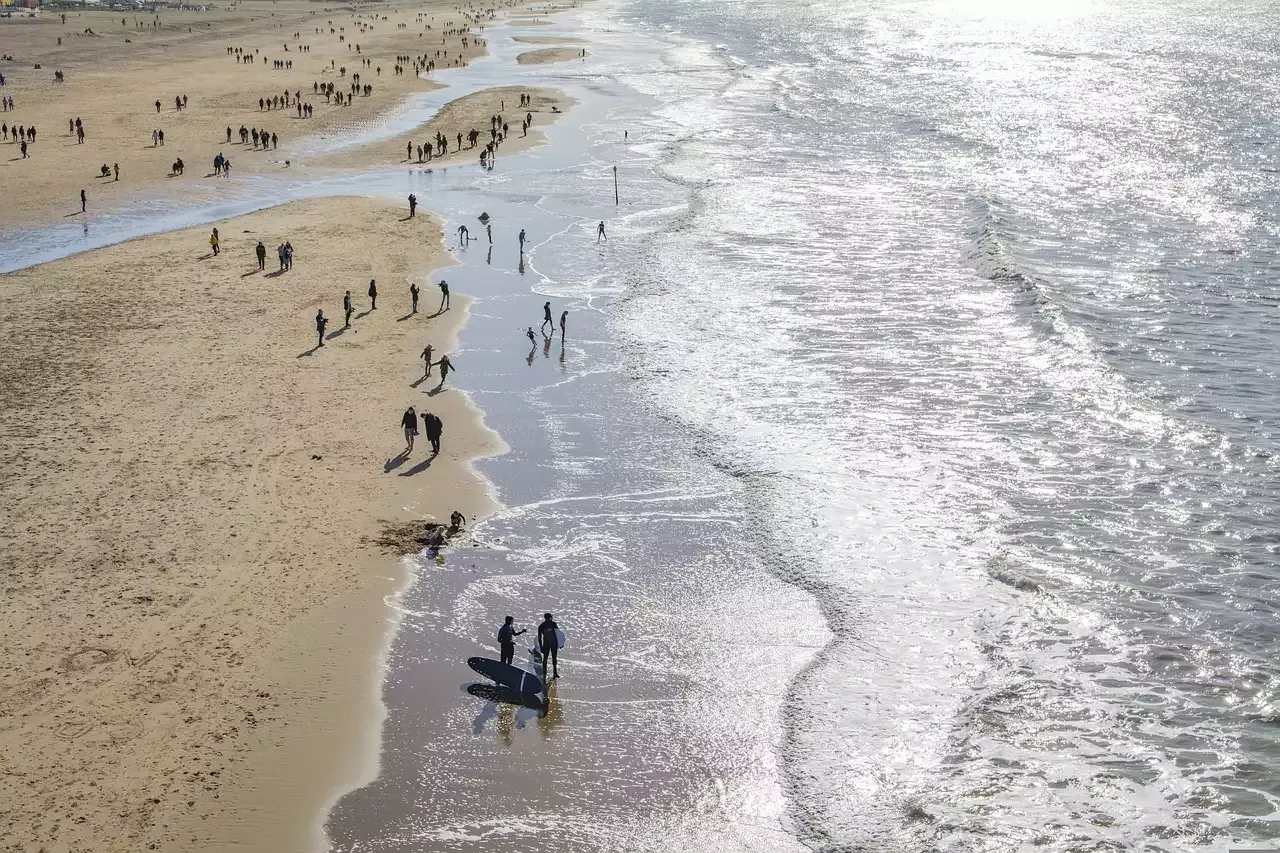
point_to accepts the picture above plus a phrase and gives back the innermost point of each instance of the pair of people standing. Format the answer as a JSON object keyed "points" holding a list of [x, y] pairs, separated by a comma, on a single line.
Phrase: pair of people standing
{"points": [[431, 425], [548, 643]]}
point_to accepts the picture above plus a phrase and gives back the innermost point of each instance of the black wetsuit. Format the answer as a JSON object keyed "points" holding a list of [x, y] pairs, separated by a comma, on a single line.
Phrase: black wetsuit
{"points": [[507, 642], [549, 644]]}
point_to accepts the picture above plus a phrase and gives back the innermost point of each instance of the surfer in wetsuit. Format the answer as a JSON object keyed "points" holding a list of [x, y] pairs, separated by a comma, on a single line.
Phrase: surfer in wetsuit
{"points": [[549, 644], [507, 639]]}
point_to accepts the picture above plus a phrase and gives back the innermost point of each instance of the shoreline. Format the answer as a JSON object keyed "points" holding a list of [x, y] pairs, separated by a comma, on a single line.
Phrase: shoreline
{"points": [[235, 700]]}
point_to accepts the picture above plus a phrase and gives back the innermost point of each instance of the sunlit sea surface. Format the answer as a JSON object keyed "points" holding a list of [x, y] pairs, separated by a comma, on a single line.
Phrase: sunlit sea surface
{"points": [[984, 292]]}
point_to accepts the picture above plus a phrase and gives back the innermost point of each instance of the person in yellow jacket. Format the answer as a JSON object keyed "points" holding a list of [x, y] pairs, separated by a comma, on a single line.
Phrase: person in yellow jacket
{"points": [[213, 241]]}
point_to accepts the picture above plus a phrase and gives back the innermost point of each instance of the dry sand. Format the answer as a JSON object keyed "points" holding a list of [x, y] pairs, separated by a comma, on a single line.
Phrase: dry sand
{"points": [[115, 75], [550, 54], [459, 116], [193, 600]]}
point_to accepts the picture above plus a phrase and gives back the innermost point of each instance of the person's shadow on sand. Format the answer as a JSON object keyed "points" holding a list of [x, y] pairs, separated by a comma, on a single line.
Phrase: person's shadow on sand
{"points": [[420, 467], [395, 462], [308, 352]]}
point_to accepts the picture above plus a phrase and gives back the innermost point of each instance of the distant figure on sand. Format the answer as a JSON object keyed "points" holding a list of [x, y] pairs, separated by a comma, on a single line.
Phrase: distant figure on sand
{"points": [[346, 310], [413, 204], [426, 360], [564, 317], [261, 252], [463, 235], [413, 295], [410, 423], [528, 333], [444, 296], [600, 232], [522, 241], [373, 295], [84, 201], [488, 230], [321, 322], [213, 242], [546, 318]]}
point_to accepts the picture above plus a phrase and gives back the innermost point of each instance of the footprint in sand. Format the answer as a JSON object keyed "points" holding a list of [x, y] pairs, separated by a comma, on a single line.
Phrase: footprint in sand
{"points": [[89, 658]]}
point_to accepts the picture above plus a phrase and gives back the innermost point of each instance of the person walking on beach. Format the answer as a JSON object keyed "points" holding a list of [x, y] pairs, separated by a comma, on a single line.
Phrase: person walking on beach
{"points": [[426, 360], [528, 333], [546, 319], [410, 423], [373, 295], [213, 242], [413, 204], [347, 309], [84, 201], [117, 171], [464, 236], [522, 241], [549, 645], [445, 366], [321, 322], [507, 640], [444, 297], [261, 252], [413, 295], [600, 232], [564, 317], [432, 426]]}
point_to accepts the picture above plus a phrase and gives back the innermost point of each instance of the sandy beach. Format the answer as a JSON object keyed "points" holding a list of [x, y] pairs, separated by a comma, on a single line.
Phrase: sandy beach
{"points": [[206, 513], [117, 65], [194, 590]]}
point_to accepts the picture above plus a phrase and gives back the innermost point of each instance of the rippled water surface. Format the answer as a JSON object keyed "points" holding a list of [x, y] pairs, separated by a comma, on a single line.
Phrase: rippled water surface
{"points": [[987, 290]]}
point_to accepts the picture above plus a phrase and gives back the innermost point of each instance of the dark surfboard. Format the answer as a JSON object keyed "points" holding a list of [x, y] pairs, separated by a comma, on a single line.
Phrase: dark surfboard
{"points": [[508, 676]]}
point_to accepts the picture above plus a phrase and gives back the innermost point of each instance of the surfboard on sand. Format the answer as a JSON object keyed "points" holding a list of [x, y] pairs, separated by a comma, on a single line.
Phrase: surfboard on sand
{"points": [[506, 675]]}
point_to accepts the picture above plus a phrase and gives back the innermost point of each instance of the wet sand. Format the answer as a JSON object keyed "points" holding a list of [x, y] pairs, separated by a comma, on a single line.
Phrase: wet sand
{"points": [[194, 594], [548, 40], [550, 54]]}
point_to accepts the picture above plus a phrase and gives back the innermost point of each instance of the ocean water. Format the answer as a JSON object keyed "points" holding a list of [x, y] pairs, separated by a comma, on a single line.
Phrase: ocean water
{"points": [[983, 294], [911, 486]]}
